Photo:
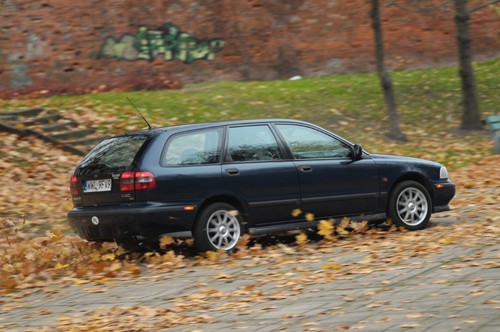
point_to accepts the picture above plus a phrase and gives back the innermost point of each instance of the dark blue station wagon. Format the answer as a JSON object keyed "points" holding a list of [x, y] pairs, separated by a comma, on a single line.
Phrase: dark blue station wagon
{"points": [[217, 181]]}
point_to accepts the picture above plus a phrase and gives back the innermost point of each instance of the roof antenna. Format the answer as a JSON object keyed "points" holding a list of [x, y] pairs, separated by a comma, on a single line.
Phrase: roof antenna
{"points": [[131, 103]]}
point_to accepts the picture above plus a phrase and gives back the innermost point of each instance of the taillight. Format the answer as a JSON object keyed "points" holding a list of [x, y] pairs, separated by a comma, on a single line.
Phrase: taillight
{"points": [[144, 180], [137, 180], [127, 181], [73, 185]]}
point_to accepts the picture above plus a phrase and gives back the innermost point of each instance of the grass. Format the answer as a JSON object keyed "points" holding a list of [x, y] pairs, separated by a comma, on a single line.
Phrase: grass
{"points": [[429, 104]]}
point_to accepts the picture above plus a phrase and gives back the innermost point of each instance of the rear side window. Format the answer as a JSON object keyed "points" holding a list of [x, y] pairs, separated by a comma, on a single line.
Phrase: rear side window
{"points": [[113, 154], [252, 143], [193, 148]]}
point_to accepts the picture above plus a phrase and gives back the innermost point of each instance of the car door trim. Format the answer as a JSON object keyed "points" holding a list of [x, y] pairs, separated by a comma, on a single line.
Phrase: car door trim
{"points": [[339, 197], [276, 202]]}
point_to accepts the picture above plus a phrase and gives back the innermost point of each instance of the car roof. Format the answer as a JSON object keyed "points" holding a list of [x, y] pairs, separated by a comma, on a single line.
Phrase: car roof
{"points": [[202, 125]]}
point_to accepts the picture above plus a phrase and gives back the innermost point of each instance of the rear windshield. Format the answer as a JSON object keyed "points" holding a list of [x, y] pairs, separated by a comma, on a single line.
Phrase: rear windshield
{"points": [[113, 154]]}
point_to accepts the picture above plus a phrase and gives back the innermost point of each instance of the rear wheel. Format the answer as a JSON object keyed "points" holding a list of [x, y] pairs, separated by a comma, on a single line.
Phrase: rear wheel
{"points": [[410, 205], [218, 227]]}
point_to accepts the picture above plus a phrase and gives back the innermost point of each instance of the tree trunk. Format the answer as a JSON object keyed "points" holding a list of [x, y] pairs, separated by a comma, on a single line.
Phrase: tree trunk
{"points": [[471, 116], [385, 79]]}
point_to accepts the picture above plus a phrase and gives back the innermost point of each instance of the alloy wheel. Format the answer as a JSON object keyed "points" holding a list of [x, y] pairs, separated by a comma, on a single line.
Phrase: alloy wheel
{"points": [[412, 206], [223, 229]]}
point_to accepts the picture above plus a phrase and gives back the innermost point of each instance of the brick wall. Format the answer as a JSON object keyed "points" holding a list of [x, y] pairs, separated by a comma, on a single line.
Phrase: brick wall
{"points": [[102, 44]]}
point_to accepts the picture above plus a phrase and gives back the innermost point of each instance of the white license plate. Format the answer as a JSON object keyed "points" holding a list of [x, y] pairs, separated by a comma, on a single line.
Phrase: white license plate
{"points": [[92, 186]]}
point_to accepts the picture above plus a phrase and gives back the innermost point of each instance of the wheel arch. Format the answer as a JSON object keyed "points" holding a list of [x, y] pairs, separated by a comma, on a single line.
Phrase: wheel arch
{"points": [[224, 198], [417, 177]]}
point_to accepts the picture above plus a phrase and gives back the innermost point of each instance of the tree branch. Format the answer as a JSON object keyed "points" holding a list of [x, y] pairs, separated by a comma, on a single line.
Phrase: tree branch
{"points": [[486, 4]]}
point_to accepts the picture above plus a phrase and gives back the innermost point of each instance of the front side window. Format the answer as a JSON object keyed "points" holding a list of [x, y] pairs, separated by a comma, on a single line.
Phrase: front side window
{"points": [[193, 148], [252, 143], [308, 143]]}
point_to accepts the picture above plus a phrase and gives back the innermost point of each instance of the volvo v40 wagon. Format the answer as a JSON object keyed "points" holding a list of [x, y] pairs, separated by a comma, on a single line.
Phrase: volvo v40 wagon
{"points": [[217, 181]]}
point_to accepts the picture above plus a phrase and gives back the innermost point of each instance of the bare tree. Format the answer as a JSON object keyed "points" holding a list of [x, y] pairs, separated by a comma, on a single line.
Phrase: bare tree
{"points": [[385, 79], [471, 116]]}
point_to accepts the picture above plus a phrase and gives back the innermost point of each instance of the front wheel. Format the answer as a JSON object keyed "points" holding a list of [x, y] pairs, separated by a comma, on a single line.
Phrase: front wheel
{"points": [[410, 205], [218, 227]]}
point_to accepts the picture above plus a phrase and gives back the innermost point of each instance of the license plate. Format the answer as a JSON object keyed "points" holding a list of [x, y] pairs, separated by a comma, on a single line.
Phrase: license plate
{"points": [[92, 186]]}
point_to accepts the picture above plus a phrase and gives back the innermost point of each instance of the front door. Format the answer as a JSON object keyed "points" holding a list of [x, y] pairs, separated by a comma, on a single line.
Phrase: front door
{"points": [[332, 184]]}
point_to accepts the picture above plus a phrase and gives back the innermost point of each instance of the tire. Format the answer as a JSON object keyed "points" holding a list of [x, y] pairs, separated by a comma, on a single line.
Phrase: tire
{"points": [[217, 227], [410, 205]]}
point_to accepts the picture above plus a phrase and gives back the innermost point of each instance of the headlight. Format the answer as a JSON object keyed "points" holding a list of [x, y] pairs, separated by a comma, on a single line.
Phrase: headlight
{"points": [[443, 173]]}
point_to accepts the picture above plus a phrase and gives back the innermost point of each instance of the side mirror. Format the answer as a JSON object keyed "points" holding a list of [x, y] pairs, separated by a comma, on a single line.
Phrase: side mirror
{"points": [[357, 152]]}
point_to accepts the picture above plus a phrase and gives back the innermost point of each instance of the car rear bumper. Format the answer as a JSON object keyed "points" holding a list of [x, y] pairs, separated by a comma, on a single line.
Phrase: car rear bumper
{"points": [[146, 220]]}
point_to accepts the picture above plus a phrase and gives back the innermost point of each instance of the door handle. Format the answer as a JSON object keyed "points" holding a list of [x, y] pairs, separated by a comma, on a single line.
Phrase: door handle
{"points": [[232, 171], [305, 169]]}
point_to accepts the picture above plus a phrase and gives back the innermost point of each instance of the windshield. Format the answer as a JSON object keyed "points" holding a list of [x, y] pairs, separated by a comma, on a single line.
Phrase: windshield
{"points": [[114, 154]]}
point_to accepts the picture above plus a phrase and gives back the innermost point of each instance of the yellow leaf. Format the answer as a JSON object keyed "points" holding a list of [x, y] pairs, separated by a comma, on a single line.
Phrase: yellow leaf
{"points": [[166, 241], [341, 231], [360, 227], [325, 228], [81, 282], [94, 290], [212, 255], [44, 312], [109, 256], [243, 241], [447, 240], [344, 223], [301, 239], [331, 266], [296, 213], [95, 255], [60, 266], [150, 254], [115, 266], [233, 213], [309, 216], [134, 270]]}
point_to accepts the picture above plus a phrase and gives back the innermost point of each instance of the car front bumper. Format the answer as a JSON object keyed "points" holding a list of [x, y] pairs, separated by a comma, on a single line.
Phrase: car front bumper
{"points": [[146, 220], [443, 193]]}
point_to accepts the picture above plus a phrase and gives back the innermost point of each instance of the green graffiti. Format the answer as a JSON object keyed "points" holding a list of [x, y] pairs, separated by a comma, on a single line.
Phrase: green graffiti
{"points": [[121, 49], [168, 42]]}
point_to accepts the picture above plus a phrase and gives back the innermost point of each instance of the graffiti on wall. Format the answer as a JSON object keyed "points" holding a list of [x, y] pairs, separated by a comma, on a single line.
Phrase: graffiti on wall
{"points": [[169, 42]]}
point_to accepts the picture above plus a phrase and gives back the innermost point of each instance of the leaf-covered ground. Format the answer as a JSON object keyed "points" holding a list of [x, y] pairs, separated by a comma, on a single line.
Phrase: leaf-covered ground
{"points": [[38, 249]]}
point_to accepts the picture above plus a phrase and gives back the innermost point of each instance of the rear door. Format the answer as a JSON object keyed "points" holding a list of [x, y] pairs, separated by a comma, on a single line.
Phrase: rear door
{"points": [[256, 171]]}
